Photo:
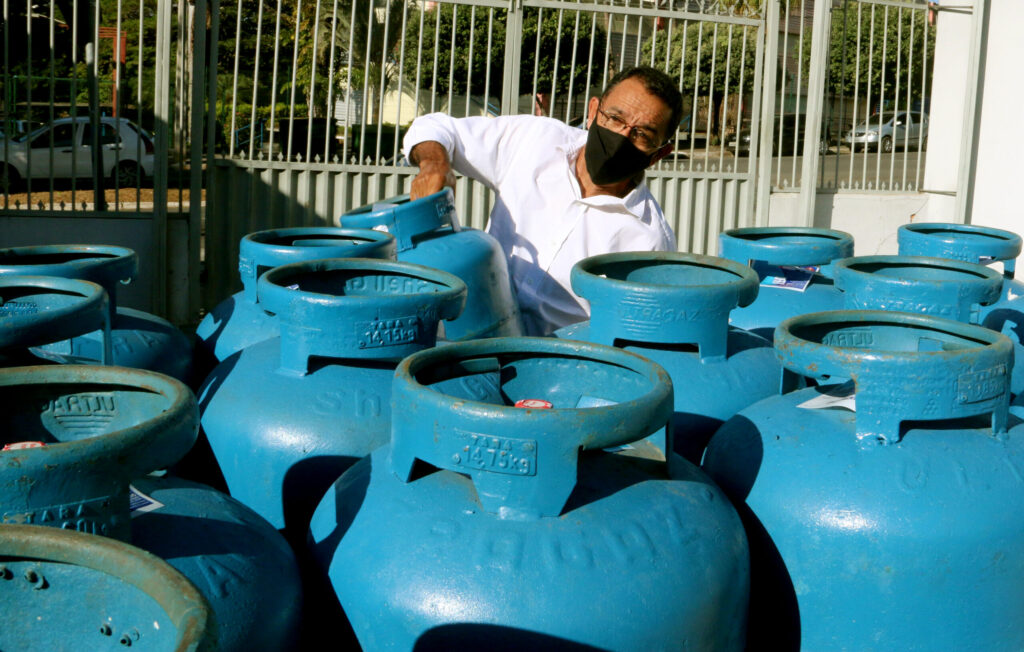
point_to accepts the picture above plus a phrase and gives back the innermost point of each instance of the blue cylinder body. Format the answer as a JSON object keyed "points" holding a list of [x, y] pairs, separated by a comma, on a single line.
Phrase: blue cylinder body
{"points": [[674, 309], [983, 245], [774, 252], [427, 232], [76, 436], [63, 590], [935, 286], [138, 339], [239, 321], [510, 532], [897, 526], [323, 387], [39, 310]]}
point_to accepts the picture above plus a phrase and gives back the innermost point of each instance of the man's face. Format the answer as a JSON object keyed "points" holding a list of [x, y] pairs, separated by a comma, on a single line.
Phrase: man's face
{"points": [[636, 110]]}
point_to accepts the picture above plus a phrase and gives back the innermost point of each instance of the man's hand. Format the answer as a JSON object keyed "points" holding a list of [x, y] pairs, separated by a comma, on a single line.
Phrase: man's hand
{"points": [[435, 170]]}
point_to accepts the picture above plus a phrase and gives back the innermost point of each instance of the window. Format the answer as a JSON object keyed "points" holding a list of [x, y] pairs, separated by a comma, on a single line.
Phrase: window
{"points": [[108, 135], [63, 135]]}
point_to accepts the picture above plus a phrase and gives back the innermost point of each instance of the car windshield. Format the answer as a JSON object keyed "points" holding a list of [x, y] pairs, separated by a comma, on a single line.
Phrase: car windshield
{"points": [[876, 119], [32, 134]]}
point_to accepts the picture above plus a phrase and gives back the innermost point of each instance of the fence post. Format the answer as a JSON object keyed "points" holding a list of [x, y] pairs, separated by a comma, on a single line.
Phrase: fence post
{"points": [[162, 114], [513, 49], [764, 146], [815, 102]]}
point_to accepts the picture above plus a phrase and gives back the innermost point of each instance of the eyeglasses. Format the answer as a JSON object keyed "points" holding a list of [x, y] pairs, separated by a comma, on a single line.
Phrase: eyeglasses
{"points": [[644, 138]]}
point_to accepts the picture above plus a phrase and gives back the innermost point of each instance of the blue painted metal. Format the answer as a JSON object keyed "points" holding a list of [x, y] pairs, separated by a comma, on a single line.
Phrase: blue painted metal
{"points": [[786, 246], [36, 310], [102, 428], [984, 245], [138, 339], [323, 386], [63, 590], [484, 522], [674, 309], [935, 286], [897, 526], [239, 321], [428, 233]]}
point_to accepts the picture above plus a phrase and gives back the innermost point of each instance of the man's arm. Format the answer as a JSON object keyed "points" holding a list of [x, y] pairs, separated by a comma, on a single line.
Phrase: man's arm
{"points": [[435, 169]]}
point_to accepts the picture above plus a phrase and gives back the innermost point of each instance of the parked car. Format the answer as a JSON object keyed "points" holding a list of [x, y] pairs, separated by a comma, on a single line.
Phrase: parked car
{"points": [[785, 141], [890, 129], [127, 152]]}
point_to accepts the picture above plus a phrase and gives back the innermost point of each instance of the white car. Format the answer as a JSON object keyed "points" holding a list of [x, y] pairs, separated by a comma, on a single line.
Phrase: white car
{"points": [[63, 149], [889, 130]]}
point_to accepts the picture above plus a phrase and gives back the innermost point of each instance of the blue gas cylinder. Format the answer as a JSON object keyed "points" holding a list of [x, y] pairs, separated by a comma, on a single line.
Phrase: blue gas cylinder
{"points": [[323, 386], [795, 268], [138, 339], [485, 523], [239, 321], [935, 286], [674, 309], [38, 310], [884, 506], [63, 590], [427, 232], [78, 441], [976, 244]]}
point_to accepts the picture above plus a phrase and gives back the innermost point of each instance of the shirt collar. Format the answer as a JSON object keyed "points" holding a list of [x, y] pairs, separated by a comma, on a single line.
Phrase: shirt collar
{"points": [[634, 202]]}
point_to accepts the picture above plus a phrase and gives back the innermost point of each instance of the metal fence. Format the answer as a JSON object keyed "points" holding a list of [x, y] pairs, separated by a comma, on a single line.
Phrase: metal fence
{"points": [[334, 84], [874, 117]]}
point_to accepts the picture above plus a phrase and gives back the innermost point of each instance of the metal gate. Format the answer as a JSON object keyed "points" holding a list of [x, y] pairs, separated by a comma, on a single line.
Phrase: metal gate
{"points": [[92, 149], [309, 100]]}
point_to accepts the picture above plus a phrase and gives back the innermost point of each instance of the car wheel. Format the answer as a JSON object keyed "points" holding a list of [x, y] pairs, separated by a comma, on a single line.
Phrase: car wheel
{"points": [[823, 147], [10, 180], [886, 144], [126, 175]]}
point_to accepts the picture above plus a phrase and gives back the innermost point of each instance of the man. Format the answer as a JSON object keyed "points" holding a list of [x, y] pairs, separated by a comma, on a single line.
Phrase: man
{"points": [[563, 194]]}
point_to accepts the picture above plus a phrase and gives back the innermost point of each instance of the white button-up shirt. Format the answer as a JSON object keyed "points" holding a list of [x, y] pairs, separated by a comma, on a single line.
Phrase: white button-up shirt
{"points": [[540, 217]]}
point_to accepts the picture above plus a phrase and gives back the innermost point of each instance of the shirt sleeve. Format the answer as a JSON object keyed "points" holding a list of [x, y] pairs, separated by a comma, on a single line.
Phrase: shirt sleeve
{"points": [[478, 147]]}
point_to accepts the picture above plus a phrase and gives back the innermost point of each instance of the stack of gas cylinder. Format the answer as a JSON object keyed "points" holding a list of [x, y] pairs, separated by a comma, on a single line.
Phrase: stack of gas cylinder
{"points": [[784, 447]]}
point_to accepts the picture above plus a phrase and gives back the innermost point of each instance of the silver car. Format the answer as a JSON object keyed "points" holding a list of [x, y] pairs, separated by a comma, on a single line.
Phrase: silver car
{"points": [[62, 150], [888, 129]]}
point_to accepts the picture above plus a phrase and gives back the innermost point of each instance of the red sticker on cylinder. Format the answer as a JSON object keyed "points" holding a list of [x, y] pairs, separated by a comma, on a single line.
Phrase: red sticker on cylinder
{"points": [[21, 445], [534, 403]]}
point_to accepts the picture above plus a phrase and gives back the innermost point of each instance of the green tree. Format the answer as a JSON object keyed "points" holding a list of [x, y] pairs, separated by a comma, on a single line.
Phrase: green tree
{"points": [[713, 61], [451, 29], [890, 44]]}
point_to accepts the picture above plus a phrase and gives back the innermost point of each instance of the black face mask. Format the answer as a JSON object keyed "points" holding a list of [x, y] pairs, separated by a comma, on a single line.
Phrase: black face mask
{"points": [[612, 157]]}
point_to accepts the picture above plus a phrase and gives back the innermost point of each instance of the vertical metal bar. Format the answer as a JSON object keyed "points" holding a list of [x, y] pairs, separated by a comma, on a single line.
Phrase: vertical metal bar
{"points": [[383, 79], [52, 84], [696, 87], [536, 61], [924, 94], [28, 96], [739, 100], [273, 83], [348, 83], [909, 85], [513, 58], [554, 64], [751, 200], [469, 62], [972, 93], [590, 69], [725, 100], [419, 59], [117, 114], [312, 85], [329, 125], [291, 93], [437, 50], [782, 92], [881, 97], [896, 96], [401, 84], [770, 58], [7, 106], [815, 100], [451, 57], [234, 82], [92, 63], [799, 87], [162, 115], [367, 95], [255, 77], [711, 87], [607, 50], [867, 99], [572, 68], [200, 70], [487, 68], [139, 146]]}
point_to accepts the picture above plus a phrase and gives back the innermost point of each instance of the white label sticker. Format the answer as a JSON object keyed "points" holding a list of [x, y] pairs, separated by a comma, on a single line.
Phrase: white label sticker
{"points": [[139, 503], [837, 396], [785, 277]]}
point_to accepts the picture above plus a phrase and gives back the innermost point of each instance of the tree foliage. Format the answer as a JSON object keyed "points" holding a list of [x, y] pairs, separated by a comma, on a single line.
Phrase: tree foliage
{"points": [[475, 42], [890, 44]]}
